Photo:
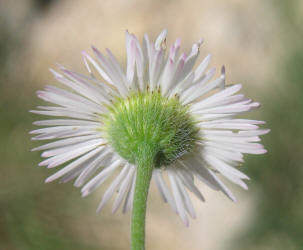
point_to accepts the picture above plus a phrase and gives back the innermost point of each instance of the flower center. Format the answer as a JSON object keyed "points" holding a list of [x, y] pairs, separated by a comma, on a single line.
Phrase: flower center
{"points": [[149, 123]]}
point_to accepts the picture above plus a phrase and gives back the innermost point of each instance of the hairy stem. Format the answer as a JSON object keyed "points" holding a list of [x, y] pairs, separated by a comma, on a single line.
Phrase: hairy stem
{"points": [[145, 166]]}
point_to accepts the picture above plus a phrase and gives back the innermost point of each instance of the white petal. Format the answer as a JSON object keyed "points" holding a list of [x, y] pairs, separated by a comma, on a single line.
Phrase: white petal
{"points": [[76, 99], [65, 149], [178, 198], [73, 165], [98, 68], [58, 129], [131, 58], [140, 63], [189, 182], [65, 122], [191, 59], [183, 85], [201, 68], [174, 49], [72, 174], [211, 117], [124, 187], [202, 90], [167, 76], [104, 159], [161, 39], [66, 142], [64, 112], [220, 102], [227, 124], [78, 81], [65, 134], [228, 156], [112, 73], [187, 202], [249, 148], [224, 189], [254, 132], [100, 178], [230, 139], [199, 88], [60, 159], [174, 75], [130, 196], [207, 176], [112, 188], [164, 190], [229, 172], [197, 168], [116, 66], [155, 68]]}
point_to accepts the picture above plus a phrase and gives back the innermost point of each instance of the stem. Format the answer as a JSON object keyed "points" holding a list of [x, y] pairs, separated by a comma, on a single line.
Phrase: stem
{"points": [[144, 173]]}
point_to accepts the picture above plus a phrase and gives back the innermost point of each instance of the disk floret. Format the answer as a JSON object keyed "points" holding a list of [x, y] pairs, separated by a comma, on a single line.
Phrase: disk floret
{"points": [[148, 123]]}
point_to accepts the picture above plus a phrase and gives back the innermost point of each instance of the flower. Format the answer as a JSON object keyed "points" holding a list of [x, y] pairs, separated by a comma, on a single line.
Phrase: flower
{"points": [[160, 108]]}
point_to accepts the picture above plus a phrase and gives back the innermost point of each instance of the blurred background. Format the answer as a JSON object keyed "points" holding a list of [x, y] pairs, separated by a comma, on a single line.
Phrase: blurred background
{"points": [[260, 43]]}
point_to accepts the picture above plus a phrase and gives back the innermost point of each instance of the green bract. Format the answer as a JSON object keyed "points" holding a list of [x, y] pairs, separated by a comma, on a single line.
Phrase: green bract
{"points": [[148, 123]]}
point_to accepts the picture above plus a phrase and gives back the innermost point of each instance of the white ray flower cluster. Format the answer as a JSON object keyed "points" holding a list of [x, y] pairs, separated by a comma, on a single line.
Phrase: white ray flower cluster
{"points": [[79, 141]]}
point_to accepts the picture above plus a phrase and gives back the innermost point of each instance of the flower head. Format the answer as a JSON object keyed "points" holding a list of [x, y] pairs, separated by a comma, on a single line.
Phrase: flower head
{"points": [[160, 110]]}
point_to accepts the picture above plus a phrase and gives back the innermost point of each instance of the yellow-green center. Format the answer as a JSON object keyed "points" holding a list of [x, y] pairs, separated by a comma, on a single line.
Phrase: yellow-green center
{"points": [[150, 124]]}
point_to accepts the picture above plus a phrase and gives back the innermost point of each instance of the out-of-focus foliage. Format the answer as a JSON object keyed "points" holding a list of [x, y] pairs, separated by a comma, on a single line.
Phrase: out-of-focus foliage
{"points": [[28, 219], [278, 175]]}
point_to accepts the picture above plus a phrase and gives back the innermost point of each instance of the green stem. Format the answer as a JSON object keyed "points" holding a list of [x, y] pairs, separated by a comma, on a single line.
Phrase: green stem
{"points": [[144, 173]]}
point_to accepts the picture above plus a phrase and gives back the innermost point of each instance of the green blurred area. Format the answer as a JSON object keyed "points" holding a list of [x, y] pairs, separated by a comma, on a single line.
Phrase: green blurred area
{"points": [[278, 175], [35, 216]]}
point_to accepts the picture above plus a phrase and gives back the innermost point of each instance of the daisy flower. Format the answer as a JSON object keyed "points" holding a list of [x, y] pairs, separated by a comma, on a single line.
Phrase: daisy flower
{"points": [[161, 116]]}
